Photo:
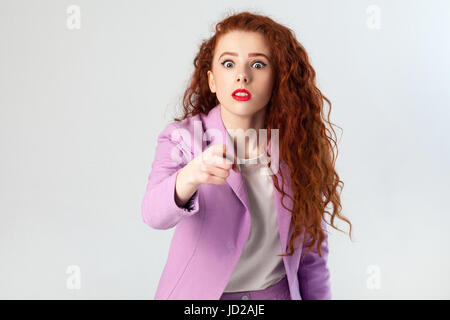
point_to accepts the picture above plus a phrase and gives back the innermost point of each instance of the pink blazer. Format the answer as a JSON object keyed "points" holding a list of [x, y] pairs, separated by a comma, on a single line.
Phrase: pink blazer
{"points": [[213, 227]]}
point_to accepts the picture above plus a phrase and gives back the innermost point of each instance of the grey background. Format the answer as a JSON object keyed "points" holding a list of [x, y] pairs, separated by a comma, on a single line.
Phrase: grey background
{"points": [[81, 111]]}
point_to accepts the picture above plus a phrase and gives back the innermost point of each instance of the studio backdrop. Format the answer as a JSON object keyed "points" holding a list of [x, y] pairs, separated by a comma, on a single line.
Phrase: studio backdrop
{"points": [[87, 86]]}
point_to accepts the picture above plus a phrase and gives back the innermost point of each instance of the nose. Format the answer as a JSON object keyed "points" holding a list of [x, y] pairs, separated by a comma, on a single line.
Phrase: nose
{"points": [[242, 78]]}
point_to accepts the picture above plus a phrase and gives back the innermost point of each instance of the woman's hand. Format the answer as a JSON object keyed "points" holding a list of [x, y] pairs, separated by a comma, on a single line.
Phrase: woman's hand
{"points": [[211, 167]]}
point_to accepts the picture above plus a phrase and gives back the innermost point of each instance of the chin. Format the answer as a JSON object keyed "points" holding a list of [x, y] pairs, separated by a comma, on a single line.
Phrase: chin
{"points": [[243, 108], [243, 112]]}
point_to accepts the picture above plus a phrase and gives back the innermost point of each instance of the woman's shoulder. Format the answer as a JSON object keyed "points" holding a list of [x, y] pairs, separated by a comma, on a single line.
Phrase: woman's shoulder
{"points": [[182, 132], [187, 123]]}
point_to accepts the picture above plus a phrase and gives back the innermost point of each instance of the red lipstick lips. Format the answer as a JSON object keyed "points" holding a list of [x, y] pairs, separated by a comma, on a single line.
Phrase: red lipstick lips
{"points": [[241, 96]]}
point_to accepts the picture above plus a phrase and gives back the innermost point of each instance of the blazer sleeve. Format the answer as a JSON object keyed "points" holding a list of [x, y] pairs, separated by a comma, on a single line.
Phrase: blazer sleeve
{"points": [[159, 209], [313, 273]]}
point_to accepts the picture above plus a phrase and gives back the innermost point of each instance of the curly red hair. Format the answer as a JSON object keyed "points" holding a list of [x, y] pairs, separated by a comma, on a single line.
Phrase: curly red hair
{"points": [[296, 106]]}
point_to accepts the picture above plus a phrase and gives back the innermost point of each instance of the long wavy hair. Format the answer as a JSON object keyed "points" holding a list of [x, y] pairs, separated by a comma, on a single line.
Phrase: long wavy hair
{"points": [[296, 106]]}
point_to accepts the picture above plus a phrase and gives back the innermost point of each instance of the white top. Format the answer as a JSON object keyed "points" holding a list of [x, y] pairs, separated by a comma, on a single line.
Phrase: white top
{"points": [[259, 266]]}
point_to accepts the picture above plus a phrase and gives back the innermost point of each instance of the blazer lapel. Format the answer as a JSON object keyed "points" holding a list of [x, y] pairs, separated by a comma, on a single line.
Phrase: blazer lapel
{"points": [[214, 125], [284, 216]]}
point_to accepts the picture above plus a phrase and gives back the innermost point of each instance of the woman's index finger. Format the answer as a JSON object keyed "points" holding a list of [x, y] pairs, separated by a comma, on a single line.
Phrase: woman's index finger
{"points": [[217, 150]]}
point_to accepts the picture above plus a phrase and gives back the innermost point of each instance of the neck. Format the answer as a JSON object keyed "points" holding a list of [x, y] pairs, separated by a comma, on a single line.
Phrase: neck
{"points": [[240, 130]]}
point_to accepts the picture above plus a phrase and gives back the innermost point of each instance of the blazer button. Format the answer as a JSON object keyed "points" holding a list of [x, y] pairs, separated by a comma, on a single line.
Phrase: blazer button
{"points": [[244, 297]]}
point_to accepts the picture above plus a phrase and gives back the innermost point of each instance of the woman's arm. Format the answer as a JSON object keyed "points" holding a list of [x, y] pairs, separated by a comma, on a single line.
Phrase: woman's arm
{"points": [[185, 187], [159, 205], [313, 273]]}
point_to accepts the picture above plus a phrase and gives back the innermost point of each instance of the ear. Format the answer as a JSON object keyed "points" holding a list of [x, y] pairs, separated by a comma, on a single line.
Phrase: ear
{"points": [[212, 85]]}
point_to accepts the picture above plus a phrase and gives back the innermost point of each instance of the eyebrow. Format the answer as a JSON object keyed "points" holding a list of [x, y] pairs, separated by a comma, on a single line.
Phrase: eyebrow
{"points": [[252, 54]]}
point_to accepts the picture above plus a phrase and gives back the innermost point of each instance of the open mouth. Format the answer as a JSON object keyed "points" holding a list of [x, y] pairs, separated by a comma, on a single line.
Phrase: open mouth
{"points": [[241, 95]]}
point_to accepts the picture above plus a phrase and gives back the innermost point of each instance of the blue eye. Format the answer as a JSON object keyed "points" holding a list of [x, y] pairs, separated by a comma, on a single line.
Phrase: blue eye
{"points": [[256, 62], [223, 63], [261, 63]]}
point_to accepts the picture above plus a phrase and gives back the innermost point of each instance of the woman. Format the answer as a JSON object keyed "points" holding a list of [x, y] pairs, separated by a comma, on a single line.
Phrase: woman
{"points": [[239, 207]]}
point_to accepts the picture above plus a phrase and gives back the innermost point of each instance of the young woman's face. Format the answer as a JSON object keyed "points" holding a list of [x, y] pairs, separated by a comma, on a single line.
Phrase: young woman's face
{"points": [[241, 68]]}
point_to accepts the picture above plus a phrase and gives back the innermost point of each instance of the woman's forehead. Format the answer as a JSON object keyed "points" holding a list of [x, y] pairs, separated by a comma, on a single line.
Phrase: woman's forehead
{"points": [[242, 42]]}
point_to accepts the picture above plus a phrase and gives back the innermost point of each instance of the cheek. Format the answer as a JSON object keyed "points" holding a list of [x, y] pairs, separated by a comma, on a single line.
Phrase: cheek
{"points": [[270, 82], [267, 83], [221, 81]]}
